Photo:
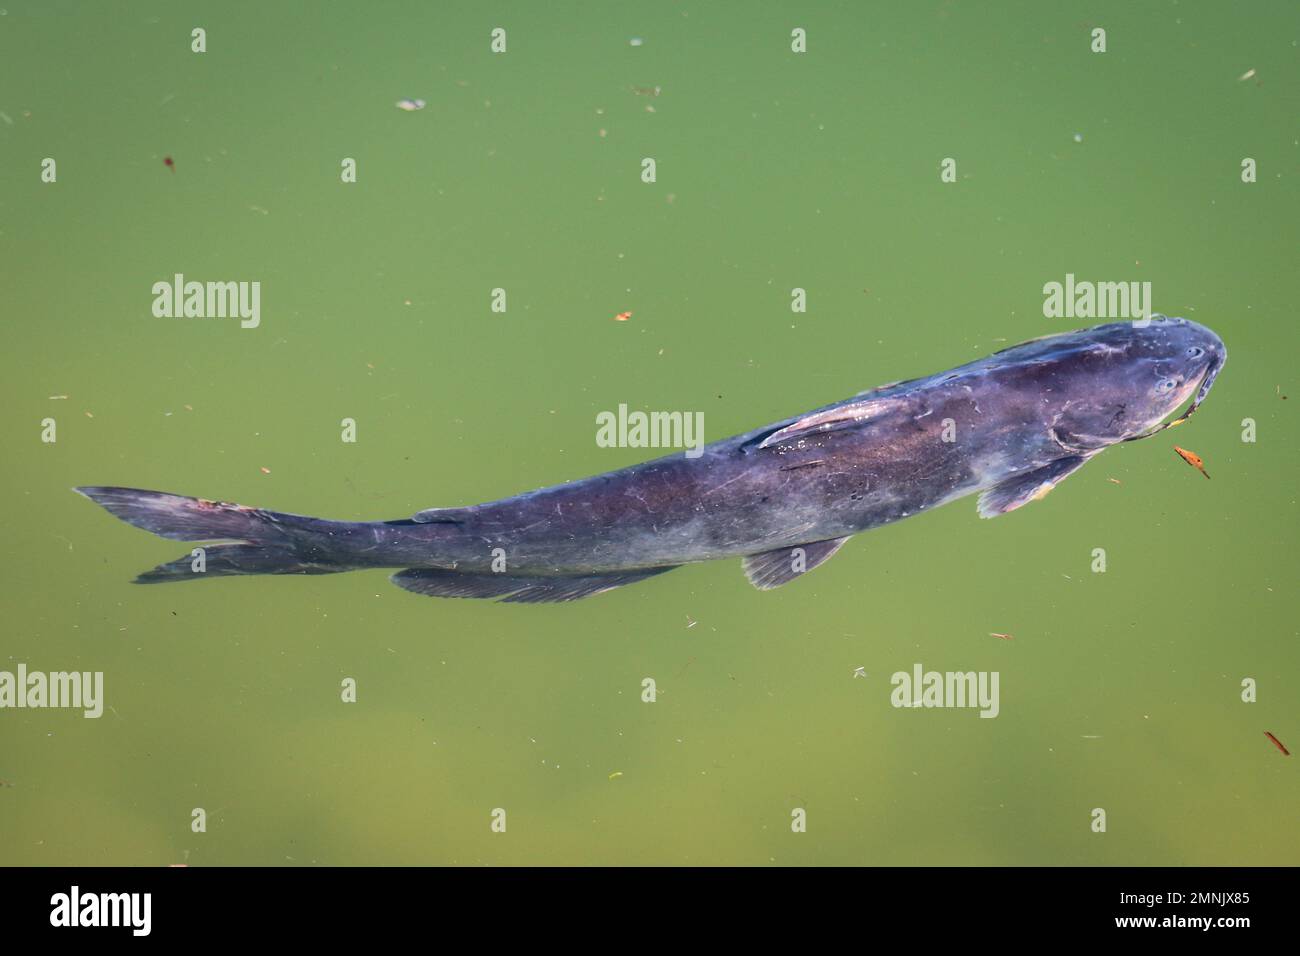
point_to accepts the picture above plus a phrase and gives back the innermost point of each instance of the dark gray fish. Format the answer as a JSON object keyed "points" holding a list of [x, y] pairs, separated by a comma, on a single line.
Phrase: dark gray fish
{"points": [[784, 497]]}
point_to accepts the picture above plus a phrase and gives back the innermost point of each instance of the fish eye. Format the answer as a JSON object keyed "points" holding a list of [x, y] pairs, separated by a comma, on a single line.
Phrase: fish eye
{"points": [[1195, 352], [1168, 385]]}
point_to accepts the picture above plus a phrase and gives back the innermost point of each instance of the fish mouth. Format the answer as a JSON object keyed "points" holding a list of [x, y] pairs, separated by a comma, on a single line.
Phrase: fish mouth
{"points": [[1207, 382], [1211, 373]]}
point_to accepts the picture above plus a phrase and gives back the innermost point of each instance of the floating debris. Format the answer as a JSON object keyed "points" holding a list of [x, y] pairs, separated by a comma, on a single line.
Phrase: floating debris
{"points": [[169, 163], [1115, 481], [622, 316], [860, 671], [1246, 76], [1277, 743], [410, 106], [647, 90], [1192, 459], [616, 774], [635, 41], [55, 398], [1002, 637], [1078, 137], [690, 622], [265, 471]]}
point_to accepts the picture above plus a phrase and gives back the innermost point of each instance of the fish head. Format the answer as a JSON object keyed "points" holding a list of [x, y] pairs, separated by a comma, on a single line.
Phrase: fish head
{"points": [[1127, 378]]}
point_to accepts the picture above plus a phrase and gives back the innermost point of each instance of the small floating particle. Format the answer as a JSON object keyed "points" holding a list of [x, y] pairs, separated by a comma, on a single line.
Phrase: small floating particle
{"points": [[90, 414], [410, 106], [1078, 137], [647, 90], [55, 398], [188, 408], [622, 316], [690, 622], [1192, 459], [635, 41], [1115, 481], [265, 471], [1002, 637], [616, 774], [169, 163], [860, 671], [602, 132], [1277, 743], [1247, 75]]}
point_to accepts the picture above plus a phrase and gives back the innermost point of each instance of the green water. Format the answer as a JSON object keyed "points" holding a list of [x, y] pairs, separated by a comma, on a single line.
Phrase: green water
{"points": [[1120, 690]]}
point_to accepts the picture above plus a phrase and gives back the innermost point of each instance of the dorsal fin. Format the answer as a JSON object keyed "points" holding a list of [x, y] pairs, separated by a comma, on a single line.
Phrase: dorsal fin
{"points": [[771, 569], [431, 515], [845, 415]]}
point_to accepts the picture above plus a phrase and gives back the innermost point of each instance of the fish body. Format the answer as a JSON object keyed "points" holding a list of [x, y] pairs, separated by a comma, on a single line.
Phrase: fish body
{"points": [[784, 497]]}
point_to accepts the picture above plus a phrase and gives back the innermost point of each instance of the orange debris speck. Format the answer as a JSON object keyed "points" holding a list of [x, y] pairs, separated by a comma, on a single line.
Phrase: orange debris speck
{"points": [[1192, 459]]}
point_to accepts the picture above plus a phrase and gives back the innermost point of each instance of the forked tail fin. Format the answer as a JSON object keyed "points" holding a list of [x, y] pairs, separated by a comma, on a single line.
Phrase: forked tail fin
{"points": [[249, 540]]}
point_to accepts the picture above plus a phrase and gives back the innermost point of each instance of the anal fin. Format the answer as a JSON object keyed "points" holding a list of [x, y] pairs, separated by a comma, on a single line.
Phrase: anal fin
{"points": [[771, 569], [1019, 490], [515, 588]]}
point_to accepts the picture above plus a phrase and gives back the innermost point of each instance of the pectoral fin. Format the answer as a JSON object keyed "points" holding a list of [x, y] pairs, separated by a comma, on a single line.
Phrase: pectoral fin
{"points": [[771, 569], [1030, 486]]}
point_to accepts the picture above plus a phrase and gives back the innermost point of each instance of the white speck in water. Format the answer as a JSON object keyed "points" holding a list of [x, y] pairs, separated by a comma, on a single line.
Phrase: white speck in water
{"points": [[1078, 137], [635, 41]]}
